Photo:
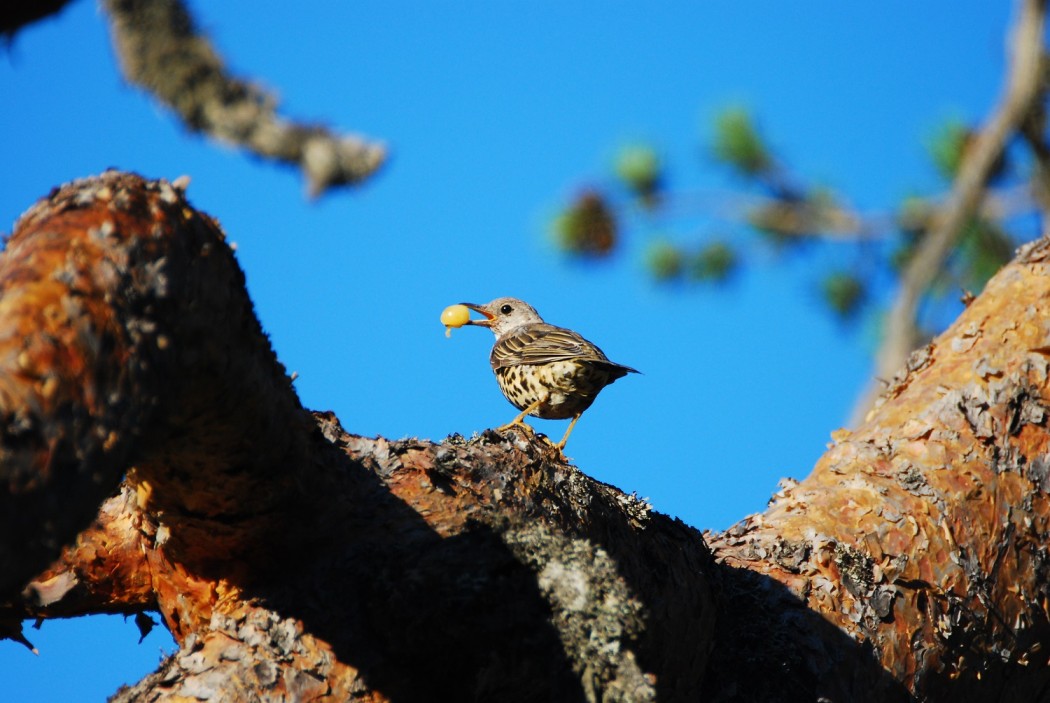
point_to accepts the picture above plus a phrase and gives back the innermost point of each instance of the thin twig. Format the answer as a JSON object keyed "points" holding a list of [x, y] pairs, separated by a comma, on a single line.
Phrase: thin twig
{"points": [[832, 222]]}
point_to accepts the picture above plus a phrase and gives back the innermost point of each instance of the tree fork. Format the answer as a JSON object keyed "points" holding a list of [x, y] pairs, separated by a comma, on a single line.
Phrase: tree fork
{"points": [[289, 557], [287, 553]]}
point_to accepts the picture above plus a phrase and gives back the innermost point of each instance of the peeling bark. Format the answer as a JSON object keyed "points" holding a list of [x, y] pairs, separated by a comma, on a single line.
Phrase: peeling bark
{"points": [[924, 534], [293, 560]]}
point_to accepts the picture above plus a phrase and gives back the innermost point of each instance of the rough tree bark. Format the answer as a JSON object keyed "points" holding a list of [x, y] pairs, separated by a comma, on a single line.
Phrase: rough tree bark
{"points": [[148, 427]]}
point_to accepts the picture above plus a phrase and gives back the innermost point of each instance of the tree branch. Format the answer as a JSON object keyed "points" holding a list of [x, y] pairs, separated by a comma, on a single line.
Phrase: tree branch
{"points": [[98, 282], [830, 222], [160, 50], [16, 14], [295, 553], [1023, 92], [925, 533], [291, 558]]}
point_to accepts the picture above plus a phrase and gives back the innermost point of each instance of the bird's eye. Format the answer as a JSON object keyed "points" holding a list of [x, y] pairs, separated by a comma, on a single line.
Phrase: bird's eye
{"points": [[506, 309]]}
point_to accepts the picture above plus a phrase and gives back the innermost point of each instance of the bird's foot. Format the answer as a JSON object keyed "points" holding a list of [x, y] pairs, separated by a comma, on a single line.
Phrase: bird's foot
{"points": [[558, 452], [556, 447], [516, 423]]}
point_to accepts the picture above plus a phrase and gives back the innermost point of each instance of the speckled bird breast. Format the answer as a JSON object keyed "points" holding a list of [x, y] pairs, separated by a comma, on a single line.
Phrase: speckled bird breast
{"points": [[564, 388]]}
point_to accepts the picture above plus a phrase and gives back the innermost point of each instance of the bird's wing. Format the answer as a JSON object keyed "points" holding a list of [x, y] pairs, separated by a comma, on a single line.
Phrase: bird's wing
{"points": [[543, 344]]}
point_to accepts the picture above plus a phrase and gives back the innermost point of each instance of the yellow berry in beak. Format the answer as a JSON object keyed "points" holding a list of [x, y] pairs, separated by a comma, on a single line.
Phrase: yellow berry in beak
{"points": [[454, 316]]}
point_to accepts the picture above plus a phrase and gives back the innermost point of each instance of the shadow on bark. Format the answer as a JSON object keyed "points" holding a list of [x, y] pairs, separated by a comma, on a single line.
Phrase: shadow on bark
{"points": [[422, 616], [773, 648]]}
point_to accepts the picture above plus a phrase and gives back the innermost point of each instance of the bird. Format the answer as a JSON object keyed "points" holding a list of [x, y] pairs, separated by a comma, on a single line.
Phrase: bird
{"points": [[546, 371]]}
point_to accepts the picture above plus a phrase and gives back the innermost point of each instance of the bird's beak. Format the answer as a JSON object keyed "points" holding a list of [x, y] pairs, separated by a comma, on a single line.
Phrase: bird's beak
{"points": [[486, 322]]}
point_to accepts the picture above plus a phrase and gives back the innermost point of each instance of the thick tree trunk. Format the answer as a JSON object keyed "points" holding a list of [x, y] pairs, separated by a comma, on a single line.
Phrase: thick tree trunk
{"points": [[923, 535], [292, 559]]}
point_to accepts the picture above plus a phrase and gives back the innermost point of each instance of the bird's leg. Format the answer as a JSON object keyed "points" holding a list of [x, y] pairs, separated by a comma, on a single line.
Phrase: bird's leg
{"points": [[519, 420], [561, 444]]}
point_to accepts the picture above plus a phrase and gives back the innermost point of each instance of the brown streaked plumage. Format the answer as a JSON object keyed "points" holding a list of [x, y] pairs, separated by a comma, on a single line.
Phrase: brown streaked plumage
{"points": [[546, 371]]}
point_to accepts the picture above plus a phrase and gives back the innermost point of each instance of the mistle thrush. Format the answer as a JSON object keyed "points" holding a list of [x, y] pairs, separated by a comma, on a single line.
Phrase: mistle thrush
{"points": [[546, 371]]}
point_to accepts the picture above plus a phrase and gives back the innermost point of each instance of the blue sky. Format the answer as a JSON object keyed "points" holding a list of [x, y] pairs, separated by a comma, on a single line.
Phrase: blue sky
{"points": [[496, 113]]}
